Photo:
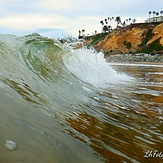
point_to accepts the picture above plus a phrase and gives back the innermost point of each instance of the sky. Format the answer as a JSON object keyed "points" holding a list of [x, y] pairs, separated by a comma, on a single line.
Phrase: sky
{"points": [[62, 18]]}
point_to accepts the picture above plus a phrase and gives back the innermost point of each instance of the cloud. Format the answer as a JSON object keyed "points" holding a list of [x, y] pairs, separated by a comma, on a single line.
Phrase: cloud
{"points": [[57, 5], [50, 24], [69, 15], [87, 7], [32, 21], [52, 33], [89, 23], [35, 22], [11, 1]]}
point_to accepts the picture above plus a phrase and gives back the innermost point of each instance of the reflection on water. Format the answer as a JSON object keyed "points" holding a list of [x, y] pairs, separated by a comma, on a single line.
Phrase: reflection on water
{"points": [[118, 124], [128, 123]]}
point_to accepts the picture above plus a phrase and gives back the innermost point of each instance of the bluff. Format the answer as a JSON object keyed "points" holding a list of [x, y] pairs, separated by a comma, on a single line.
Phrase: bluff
{"points": [[134, 38]]}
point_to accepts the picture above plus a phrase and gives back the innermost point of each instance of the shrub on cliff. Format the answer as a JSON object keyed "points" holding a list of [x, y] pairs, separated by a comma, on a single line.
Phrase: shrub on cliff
{"points": [[127, 44], [154, 46], [146, 37], [97, 38]]}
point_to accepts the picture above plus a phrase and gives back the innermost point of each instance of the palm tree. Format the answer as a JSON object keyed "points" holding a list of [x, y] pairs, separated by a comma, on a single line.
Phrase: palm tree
{"points": [[83, 30], [79, 32], [157, 14], [127, 21], [118, 20], [154, 12], [95, 32], [80, 35], [109, 28], [109, 20], [112, 21], [106, 21], [134, 20], [149, 15], [105, 29], [102, 22], [124, 23]]}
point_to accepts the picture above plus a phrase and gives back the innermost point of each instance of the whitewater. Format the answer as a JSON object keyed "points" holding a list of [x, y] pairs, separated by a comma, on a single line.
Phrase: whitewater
{"points": [[59, 105]]}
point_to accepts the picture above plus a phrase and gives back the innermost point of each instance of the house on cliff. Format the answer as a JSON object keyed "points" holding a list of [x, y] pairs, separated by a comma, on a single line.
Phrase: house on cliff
{"points": [[155, 19]]}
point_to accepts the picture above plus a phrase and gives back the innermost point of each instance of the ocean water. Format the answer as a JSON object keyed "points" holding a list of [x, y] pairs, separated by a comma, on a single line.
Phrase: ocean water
{"points": [[62, 105]]}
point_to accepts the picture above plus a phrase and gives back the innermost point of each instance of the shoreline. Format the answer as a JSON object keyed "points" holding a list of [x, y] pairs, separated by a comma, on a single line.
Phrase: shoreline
{"points": [[144, 64], [135, 58], [151, 63]]}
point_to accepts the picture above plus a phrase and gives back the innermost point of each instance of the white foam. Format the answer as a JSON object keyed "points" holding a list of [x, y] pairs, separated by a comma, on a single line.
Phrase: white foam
{"points": [[91, 67]]}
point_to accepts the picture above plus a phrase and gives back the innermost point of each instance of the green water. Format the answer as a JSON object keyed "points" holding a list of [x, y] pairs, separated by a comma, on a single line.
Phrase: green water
{"points": [[63, 105]]}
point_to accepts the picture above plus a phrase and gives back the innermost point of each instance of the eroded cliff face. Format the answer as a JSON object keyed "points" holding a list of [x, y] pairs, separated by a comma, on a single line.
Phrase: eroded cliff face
{"points": [[158, 32], [131, 38]]}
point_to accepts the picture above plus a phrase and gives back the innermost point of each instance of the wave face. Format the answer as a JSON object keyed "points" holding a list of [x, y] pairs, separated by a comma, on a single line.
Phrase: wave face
{"points": [[60, 104]]}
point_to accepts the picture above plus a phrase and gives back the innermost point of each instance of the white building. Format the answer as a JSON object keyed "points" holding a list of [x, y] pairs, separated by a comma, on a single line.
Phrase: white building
{"points": [[155, 19]]}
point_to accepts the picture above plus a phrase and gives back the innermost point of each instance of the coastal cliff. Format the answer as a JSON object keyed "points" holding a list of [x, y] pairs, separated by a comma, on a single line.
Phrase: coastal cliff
{"points": [[134, 38]]}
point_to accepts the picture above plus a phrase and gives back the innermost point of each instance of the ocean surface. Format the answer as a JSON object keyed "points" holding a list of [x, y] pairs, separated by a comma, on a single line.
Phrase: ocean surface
{"points": [[62, 105]]}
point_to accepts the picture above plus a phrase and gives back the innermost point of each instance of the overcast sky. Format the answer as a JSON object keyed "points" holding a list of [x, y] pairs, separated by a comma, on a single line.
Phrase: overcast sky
{"points": [[59, 18]]}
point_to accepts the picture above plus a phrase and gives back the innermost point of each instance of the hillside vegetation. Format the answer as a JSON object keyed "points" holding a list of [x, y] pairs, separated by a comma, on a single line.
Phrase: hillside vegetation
{"points": [[135, 38]]}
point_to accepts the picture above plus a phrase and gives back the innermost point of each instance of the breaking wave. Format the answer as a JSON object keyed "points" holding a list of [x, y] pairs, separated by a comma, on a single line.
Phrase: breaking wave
{"points": [[56, 101]]}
